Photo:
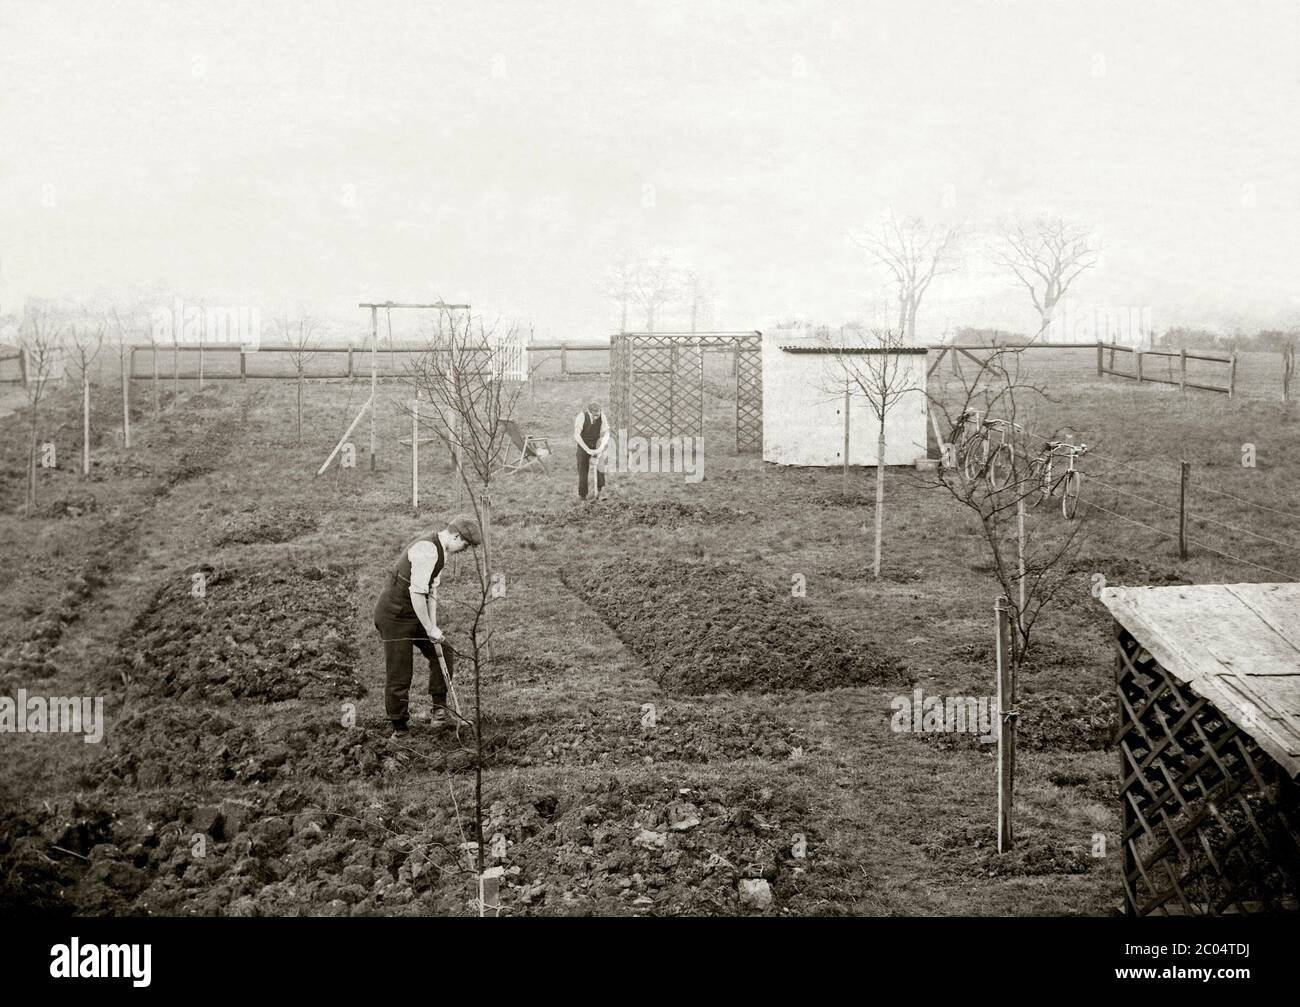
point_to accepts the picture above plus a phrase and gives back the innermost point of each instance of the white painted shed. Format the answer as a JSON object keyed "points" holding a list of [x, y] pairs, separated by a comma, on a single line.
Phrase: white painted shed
{"points": [[803, 412]]}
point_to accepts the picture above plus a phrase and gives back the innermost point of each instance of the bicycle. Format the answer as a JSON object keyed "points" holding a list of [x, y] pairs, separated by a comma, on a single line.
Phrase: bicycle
{"points": [[988, 449], [1068, 483]]}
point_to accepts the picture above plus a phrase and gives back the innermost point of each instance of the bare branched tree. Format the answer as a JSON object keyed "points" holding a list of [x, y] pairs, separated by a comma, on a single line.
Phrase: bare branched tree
{"points": [[462, 374], [85, 340], [654, 287], [1046, 255], [913, 254], [299, 332], [878, 369], [40, 342], [698, 292], [618, 286], [993, 466]]}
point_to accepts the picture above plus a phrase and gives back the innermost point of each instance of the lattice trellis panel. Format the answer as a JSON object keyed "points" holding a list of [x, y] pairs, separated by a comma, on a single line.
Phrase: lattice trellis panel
{"points": [[618, 375], [666, 388], [657, 384], [1209, 819], [749, 395]]}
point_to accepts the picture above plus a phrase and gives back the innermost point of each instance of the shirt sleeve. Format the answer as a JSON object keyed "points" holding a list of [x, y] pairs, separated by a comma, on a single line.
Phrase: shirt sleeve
{"points": [[424, 557], [577, 425]]}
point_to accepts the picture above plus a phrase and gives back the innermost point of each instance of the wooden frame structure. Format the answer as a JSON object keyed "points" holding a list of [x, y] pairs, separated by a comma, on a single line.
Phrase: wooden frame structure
{"points": [[1182, 356], [656, 383], [1208, 686]]}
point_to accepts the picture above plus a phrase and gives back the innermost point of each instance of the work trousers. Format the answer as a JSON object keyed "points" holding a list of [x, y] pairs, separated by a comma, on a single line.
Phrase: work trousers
{"points": [[585, 464], [402, 634]]}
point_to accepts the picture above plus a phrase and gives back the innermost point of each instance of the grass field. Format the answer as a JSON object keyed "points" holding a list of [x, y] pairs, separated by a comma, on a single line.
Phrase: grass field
{"points": [[226, 712]]}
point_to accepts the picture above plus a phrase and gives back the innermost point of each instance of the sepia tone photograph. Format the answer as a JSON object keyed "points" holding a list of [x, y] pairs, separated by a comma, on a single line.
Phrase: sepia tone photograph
{"points": [[800, 459]]}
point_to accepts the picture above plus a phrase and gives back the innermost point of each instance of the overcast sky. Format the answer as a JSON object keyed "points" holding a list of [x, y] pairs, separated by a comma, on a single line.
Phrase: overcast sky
{"points": [[505, 153]]}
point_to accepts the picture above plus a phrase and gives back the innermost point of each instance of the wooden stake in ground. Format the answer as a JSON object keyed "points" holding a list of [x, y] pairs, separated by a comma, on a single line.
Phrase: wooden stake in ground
{"points": [[85, 426], [1020, 549], [1182, 510], [1006, 726], [374, 375], [844, 476], [415, 455], [128, 366]]}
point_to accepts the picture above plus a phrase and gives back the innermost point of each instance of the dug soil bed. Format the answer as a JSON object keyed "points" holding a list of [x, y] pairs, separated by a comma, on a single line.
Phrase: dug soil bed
{"points": [[679, 734], [1049, 722], [263, 634], [171, 744], [613, 847], [971, 851], [265, 523], [624, 514], [706, 627]]}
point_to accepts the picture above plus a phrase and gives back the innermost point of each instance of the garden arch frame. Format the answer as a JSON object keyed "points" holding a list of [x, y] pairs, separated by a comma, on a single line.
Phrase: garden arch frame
{"points": [[656, 383]]}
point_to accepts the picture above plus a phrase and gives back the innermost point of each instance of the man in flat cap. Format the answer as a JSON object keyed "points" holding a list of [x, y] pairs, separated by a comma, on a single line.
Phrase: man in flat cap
{"points": [[591, 432], [406, 616]]}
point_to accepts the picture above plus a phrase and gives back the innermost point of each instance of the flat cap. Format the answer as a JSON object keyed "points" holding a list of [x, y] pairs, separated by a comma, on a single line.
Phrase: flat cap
{"points": [[467, 528]]}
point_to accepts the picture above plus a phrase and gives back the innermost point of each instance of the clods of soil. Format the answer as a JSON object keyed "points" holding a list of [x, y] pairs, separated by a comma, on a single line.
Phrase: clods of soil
{"points": [[713, 627]]}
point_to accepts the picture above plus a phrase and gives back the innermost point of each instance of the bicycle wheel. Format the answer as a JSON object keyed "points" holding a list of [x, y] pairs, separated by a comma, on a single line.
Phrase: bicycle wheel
{"points": [[1039, 481], [1001, 467], [1070, 494], [971, 456]]}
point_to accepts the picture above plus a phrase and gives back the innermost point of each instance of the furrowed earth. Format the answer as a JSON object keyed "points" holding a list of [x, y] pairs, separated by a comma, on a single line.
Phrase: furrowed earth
{"points": [[670, 727]]}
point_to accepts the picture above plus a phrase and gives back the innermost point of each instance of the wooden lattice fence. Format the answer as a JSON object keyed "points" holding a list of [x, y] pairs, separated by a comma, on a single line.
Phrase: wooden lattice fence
{"points": [[1210, 803], [657, 383]]}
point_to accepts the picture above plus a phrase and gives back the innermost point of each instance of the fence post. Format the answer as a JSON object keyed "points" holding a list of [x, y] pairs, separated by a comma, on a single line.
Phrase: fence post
{"points": [[1182, 510], [243, 370], [1020, 554], [1232, 375], [128, 369], [349, 361], [564, 360], [1288, 369], [1138, 353], [85, 426], [1112, 353], [374, 378], [415, 455], [1099, 358], [1182, 370], [1006, 727]]}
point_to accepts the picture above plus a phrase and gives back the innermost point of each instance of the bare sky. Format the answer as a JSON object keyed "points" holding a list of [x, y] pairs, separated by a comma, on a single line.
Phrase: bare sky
{"points": [[505, 153]]}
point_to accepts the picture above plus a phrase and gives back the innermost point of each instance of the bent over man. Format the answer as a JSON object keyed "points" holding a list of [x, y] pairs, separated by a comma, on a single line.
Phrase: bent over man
{"points": [[406, 616], [591, 431]]}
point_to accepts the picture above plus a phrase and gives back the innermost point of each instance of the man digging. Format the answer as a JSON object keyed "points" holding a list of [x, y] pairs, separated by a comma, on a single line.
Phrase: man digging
{"points": [[406, 616], [591, 432]]}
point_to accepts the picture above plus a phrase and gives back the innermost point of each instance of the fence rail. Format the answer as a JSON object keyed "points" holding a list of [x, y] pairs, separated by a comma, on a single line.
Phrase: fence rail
{"points": [[1105, 367]]}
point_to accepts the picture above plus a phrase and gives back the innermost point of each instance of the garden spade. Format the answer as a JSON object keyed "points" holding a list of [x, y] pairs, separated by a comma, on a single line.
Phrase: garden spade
{"points": [[451, 686]]}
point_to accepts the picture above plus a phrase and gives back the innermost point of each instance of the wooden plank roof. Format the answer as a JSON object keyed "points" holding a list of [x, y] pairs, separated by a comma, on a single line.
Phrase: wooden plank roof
{"points": [[1238, 645]]}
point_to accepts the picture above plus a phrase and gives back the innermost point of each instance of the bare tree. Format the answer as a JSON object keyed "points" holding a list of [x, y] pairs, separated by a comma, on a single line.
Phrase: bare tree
{"points": [[993, 467], [85, 340], [1046, 255], [913, 254], [654, 287], [124, 323], [463, 374], [299, 333], [40, 342], [874, 369], [618, 286], [698, 292]]}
